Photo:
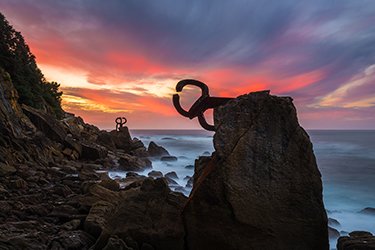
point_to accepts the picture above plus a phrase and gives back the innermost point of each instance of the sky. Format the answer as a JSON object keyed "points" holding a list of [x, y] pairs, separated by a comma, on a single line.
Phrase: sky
{"points": [[123, 58]]}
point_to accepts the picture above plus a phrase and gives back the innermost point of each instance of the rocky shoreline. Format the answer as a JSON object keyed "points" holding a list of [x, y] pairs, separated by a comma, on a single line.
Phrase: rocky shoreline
{"points": [[260, 189]]}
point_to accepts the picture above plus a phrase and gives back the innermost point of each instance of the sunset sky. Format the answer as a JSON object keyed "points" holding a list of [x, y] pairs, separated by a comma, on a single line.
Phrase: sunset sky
{"points": [[123, 58]]}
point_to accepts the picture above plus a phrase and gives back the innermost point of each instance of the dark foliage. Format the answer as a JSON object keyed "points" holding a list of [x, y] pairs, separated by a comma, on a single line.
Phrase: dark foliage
{"points": [[19, 62]]}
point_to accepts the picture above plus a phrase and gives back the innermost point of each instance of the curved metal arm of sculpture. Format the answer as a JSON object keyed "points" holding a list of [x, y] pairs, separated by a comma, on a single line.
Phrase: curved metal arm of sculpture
{"points": [[203, 103]]}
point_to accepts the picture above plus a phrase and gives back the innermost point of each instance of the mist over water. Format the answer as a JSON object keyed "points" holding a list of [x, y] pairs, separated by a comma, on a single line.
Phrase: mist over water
{"points": [[346, 160]]}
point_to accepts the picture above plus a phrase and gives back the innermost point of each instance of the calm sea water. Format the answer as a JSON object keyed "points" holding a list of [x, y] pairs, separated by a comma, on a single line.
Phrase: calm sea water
{"points": [[346, 160]]}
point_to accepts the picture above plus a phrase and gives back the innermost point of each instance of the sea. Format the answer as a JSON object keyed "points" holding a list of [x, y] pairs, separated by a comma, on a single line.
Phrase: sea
{"points": [[346, 160]]}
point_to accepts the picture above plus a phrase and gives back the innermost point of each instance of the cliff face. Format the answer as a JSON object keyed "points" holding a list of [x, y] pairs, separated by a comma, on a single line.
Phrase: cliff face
{"points": [[11, 116], [262, 188]]}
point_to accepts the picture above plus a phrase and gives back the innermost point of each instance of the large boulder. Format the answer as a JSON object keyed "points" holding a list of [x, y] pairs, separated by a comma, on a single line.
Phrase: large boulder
{"points": [[156, 150], [132, 163], [262, 188], [149, 214]]}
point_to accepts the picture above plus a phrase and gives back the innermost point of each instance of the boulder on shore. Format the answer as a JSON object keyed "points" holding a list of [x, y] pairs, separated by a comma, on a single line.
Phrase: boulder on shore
{"points": [[357, 240], [156, 150], [149, 214], [262, 188]]}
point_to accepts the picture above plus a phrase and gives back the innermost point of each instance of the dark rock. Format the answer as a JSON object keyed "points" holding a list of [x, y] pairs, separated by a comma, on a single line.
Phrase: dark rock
{"points": [[146, 246], [122, 138], [156, 150], [368, 210], [171, 175], [114, 243], [92, 151], [333, 233], [110, 184], [150, 214], [64, 212], [206, 153], [357, 240], [72, 240], [180, 189], [46, 123], [168, 138], [106, 139], [168, 158], [189, 183], [137, 144], [171, 182], [71, 225], [262, 188], [155, 174], [6, 169], [333, 222], [186, 178], [189, 166], [132, 163]]}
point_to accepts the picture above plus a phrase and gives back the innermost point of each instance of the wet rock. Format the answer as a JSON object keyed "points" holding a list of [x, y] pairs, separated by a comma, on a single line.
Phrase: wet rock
{"points": [[155, 174], [171, 182], [171, 175], [357, 240], [189, 167], [168, 158], [181, 190], [262, 188], [189, 183], [368, 211], [333, 222], [186, 178], [133, 163], [206, 153], [333, 233], [156, 150]]}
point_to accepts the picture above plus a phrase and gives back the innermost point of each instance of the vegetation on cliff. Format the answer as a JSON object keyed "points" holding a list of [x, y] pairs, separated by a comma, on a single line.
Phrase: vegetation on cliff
{"points": [[16, 59]]}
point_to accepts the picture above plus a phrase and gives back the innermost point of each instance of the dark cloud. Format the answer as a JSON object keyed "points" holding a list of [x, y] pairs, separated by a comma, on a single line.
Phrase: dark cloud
{"points": [[184, 38]]}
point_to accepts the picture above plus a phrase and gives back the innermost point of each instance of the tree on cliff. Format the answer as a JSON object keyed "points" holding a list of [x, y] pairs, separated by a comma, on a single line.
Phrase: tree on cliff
{"points": [[15, 58]]}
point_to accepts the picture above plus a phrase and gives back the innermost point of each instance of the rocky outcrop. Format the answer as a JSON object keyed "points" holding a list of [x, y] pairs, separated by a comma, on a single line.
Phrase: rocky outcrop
{"points": [[156, 150], [148, 214], [357, 240], [262, 188], [368, 211], [13, 122]]}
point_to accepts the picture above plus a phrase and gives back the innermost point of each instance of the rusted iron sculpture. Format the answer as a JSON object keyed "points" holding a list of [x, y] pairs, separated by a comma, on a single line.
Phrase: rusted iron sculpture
{"points": [[120, 122], [204, 102]]}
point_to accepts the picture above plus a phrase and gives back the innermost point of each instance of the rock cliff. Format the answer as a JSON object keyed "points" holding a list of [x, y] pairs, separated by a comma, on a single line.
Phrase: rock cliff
{"points": [[261, 189]]}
